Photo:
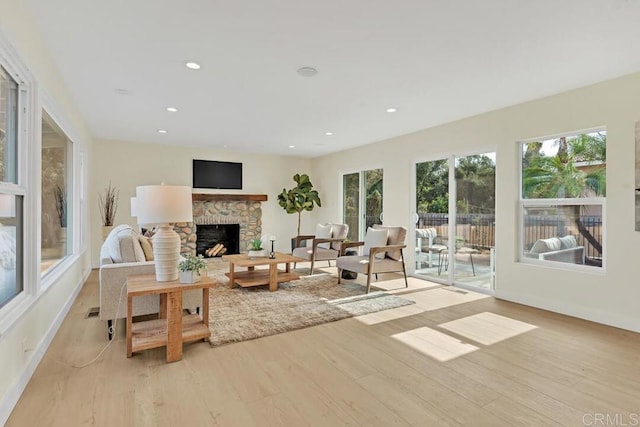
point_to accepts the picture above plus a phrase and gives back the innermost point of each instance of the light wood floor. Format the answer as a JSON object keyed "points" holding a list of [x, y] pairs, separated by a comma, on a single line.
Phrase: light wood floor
{"points": [[453, 358]]}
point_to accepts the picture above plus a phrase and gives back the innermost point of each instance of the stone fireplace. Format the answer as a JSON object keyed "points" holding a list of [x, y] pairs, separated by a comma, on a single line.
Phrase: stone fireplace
{"points": [[223, 209]]}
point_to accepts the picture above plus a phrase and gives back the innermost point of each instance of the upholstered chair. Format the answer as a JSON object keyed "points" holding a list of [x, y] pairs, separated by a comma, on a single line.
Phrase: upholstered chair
{"points": [[382, 253], [323, 246]]}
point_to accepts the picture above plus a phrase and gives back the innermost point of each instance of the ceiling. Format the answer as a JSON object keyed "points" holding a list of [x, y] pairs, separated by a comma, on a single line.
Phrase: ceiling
{"points": [[435, 61]]}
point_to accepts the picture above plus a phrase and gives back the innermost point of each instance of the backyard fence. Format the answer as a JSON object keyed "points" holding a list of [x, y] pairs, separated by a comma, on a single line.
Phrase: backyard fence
{"points": [[478, 230]]}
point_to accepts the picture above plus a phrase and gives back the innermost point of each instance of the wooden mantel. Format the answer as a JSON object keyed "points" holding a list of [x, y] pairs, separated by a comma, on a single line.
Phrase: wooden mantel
{"points": [[207, 197]]}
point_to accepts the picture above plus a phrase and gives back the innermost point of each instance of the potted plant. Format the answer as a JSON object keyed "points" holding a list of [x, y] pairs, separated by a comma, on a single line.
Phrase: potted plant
{"points": [[190, 268], [108, 205], [256, 249], [300, 198]]}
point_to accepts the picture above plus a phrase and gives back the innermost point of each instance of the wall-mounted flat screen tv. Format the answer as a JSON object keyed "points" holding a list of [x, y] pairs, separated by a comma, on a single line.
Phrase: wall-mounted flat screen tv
{"points": [[215, 174]]}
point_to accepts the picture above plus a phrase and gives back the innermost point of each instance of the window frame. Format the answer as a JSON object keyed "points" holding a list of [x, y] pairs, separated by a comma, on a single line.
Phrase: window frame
{"points": [[32, 100], [70, 156], [523, 204], [12, 310]]}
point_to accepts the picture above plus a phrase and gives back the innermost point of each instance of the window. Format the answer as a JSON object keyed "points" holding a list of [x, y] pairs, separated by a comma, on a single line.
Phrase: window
{"points": [[563, 199], [56, 187], [8, 127], [362, 201], [11, 195]]}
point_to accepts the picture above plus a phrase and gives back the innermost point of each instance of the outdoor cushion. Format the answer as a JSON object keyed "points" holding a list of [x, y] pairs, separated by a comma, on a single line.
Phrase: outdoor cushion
{"points": [[568, 242], [546, 245]]}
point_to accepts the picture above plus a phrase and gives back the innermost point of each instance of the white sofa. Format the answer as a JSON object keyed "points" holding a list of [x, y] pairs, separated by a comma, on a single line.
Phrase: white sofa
{"points": [[122, 255], [561, 249]]}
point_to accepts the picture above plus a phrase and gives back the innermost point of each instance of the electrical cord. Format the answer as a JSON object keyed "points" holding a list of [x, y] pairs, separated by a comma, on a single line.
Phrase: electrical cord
{"points": [[111, 330]]}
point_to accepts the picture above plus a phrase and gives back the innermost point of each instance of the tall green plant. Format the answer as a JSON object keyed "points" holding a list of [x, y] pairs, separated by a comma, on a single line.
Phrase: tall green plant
{"points": [[300, 198]]}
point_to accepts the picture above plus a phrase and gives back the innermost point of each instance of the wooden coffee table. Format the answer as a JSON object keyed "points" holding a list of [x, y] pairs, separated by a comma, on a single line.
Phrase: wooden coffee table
{"points": [[253, 277]]}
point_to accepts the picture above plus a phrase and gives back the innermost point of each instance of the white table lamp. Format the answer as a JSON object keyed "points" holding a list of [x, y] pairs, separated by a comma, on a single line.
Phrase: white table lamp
{"points": [[162, 205], [134, 206]]}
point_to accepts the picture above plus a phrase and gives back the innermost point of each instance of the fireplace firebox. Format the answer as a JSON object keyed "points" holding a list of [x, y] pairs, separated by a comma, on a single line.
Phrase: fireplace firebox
{"points": [[215, 240]]}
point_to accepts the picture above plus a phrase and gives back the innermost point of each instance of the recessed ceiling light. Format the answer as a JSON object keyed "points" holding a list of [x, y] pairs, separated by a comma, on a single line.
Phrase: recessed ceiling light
{"points": [[172, 109], [162, 131], [328, 133], [391, 110], [292, 146], [192, 65], [121, 91], [307, 71]]}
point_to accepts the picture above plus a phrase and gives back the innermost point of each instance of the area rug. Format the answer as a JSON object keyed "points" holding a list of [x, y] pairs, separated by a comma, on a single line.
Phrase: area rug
{"points": [[241, 314]]}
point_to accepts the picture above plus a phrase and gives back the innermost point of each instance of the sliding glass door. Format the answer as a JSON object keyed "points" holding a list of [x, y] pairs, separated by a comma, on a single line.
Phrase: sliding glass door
{"points": [[362, 201], [455, 220]]}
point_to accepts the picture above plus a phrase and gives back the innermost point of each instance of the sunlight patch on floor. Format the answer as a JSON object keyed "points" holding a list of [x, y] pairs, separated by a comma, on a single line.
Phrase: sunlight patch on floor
{"points": [[434, 344], [388, 315], [435, 299], [487, 328]]}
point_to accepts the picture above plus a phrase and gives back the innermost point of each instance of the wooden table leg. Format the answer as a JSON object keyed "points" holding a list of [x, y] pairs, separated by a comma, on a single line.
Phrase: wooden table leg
{"points": [[205, 309], [273, 277], [129, 326], [231, 275], [162, 314], [174, 326]]}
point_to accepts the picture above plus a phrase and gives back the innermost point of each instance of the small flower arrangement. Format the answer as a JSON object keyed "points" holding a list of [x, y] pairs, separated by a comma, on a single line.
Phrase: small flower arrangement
{"points": [[192, 263]]}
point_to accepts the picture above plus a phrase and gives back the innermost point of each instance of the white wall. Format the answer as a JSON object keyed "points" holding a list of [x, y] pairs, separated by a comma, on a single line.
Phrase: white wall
{"points": [[45, 307], [609, 296], [128, 165]]}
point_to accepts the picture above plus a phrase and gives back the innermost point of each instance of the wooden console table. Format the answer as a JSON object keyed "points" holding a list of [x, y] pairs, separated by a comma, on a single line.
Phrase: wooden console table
{"points": [[172, 328], [253, 277]]}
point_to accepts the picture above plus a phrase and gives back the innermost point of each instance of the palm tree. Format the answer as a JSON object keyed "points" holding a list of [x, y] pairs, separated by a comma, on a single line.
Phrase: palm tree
{"points": [[577, 170]]}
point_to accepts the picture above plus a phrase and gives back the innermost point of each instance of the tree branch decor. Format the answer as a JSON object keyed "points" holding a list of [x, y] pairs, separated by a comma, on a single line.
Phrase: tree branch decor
{"points": [[108, 204], [60, 194]]}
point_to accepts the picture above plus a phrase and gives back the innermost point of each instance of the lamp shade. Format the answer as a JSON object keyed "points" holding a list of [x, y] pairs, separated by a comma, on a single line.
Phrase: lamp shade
{"points": [[7, 205], [162, 204], [134, 206]]}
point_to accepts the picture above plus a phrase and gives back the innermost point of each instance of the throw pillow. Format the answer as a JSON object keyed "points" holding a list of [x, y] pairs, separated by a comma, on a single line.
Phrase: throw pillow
{"points": [[147, 247], [338, 231], [375, 238], [323, 232]]}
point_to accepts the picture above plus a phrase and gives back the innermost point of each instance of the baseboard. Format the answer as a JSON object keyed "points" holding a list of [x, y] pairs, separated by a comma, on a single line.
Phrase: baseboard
{"points": [[602, 317], [15, 391]]}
